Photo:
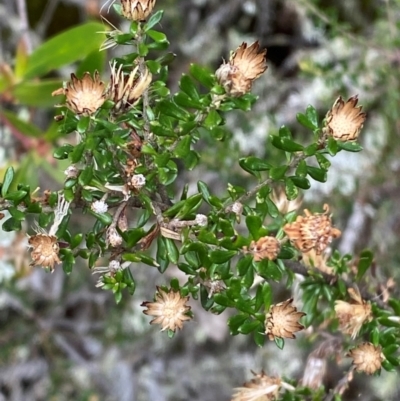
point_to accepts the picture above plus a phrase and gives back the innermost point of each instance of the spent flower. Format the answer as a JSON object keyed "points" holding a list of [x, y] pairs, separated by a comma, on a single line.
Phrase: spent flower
{"points": [[45, 250], [260, 388], [367, 358], [169, 309], [245, 65], [282, 320], [312, 231], [344, 120], [353, 315], [83, 96], [125, 90], [264, 248], [137, 10]]}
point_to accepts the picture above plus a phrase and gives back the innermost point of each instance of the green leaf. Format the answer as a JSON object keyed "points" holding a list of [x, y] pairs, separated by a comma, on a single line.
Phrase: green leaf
{"points": [[323, 162], [169, 108], [183, 147], [254, 223], [311, 150], [12, 224], [157, 36], [172, 251], [83, 124], [153, 20], [221, 256], [213, 119], [365, 260], [301, 170], [77, 152], [300, 182], [187, 85], [286, 144], [16, 196], [204, 190], [349, 146], [65, 48], [280, 342], [86, 175], [277, 173], [312, 116], [304, 120], [203, 75], [248, 326], [234, 322], [252, 164], [290, 188], [332, 146], [318, 174], [7, 181], [244, 264]]}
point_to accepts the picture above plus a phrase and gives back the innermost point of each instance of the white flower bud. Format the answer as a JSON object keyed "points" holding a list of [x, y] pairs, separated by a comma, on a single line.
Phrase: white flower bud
{"points": [[201, 220], [71, 171], [114, 266], [99, 207], [237, 208], [138, 181]]}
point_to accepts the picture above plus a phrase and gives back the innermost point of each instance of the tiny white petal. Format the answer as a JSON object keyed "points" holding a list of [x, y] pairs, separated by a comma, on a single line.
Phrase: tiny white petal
{"points": [[99, 207], [138, 181], [201, 220]]}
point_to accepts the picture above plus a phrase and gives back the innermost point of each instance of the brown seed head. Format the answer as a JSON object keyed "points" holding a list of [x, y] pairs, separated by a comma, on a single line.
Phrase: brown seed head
{"points": [[137, 10], [83, 96], [261, 388], [265, 248], [45, 250], [125, 90], [312, 231], [367, 358], [353, 315], [282, 320], [169, 309], [344, 120], [245, 65]]}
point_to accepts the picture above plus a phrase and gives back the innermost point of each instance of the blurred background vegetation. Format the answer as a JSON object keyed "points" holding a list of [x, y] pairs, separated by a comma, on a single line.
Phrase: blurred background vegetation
{"points": [[63, 339]]}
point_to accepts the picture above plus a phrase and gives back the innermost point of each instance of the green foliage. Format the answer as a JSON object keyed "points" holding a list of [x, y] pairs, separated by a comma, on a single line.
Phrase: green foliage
{"points": [[154, 140]]}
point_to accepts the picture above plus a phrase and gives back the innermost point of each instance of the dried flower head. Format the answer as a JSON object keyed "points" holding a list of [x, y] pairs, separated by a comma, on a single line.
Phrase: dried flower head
{"points": [[137, 10], [113, 238], [367, 358], [138, 181], [283, 204], [83, 96], [353, 315], [260, 388], [99, 206], [344, 120], [245, 65], [169, 309], [282, 320], [264, 248], [312, 231], [71, 171], [126, 90], [45, 250]]}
